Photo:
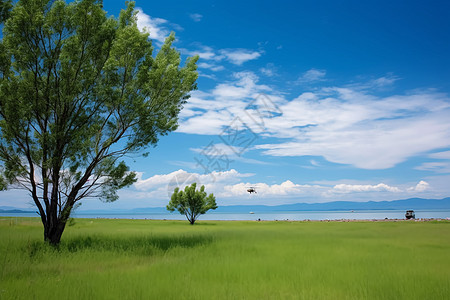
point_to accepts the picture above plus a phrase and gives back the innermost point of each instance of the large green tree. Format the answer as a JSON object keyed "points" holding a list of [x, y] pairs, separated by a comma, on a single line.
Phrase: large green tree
{"points": [[78, 91], [191, 202]]}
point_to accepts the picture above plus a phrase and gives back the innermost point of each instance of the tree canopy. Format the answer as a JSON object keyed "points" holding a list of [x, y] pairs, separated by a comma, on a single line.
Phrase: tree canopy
{"points": [[5, 7], [191, 202], [78, 91]]}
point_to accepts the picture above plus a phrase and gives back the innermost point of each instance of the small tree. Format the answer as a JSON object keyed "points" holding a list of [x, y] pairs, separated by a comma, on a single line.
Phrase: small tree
{"points": [[191, 202]]}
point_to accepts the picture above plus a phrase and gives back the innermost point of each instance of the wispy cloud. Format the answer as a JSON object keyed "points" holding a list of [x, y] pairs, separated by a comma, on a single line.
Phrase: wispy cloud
{"points": [[213, 111], [204, 52], [312, 75], [437, 167], [342, 124], [440, 155], [269, 70], [210, 66], [383, 81], [350, 127], [196, 17], [239, 56], [380, 83], [219, 149]]}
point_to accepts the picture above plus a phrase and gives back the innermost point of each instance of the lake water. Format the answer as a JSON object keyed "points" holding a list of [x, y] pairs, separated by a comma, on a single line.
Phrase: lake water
{"points": [[288, 215], [265, 216]]}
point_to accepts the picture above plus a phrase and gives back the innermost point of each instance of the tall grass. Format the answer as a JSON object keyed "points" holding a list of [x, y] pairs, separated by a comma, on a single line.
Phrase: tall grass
{"points": [[129, 259]]}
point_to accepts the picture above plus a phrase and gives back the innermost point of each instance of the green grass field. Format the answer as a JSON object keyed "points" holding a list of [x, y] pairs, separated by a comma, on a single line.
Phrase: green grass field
{"points": [[143, 259]]}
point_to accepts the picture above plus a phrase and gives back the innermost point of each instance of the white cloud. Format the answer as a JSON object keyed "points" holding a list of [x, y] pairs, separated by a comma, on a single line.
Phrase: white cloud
{"points": [[420, 187], [158, 188], [441, 155], [343, 188], [224, 106], [234, 56], [438, 186], [312, 75], [218, 149], [442, 166], [230, 189], [349, 188], [223, 155], [223, 184], [376, 84], [342, 124], [208, 123], [204, 52], [183, 178], [357, 128], [269, 70], [314, 163], [155, 26], [158, 180], [196, 17], [285, 188], [384, 146], [239, 56], [212, 67], [226, 185], [383, 81], [438, 167]]}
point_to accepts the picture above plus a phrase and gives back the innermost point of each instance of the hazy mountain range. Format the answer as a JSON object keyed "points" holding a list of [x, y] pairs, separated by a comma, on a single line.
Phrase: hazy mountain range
{"points": [[406, 204]]}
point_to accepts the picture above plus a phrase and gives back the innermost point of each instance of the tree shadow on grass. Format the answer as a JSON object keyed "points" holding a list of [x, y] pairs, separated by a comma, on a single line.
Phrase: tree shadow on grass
{"points": [[137, 244]]}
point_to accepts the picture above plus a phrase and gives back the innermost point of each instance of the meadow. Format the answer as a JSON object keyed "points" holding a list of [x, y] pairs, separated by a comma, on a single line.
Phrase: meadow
{"points": [[147, 259]]}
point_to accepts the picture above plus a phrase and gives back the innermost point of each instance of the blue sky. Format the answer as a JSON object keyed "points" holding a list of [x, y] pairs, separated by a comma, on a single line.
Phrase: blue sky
{"points": [[310, 101]]}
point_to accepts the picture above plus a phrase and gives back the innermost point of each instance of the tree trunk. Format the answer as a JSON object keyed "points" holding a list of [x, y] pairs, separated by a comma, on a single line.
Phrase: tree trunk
{"points": [[55, 225], [53, 233]]}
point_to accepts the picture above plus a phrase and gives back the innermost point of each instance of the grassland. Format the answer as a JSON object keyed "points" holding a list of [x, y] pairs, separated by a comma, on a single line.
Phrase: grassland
{"points": [[143, 259]]}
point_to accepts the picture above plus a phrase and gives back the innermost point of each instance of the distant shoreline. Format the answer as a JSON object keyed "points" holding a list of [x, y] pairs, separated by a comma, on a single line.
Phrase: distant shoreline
{"points": [[257, 220], [374, 220], [254, 215]]}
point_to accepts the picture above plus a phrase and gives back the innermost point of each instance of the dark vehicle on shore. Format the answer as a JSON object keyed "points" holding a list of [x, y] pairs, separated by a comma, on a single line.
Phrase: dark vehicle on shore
{"points": [[410, 214]]}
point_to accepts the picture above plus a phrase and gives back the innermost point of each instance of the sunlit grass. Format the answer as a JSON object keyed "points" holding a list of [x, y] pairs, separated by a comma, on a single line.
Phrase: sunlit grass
{"points": [[129, 259]]}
